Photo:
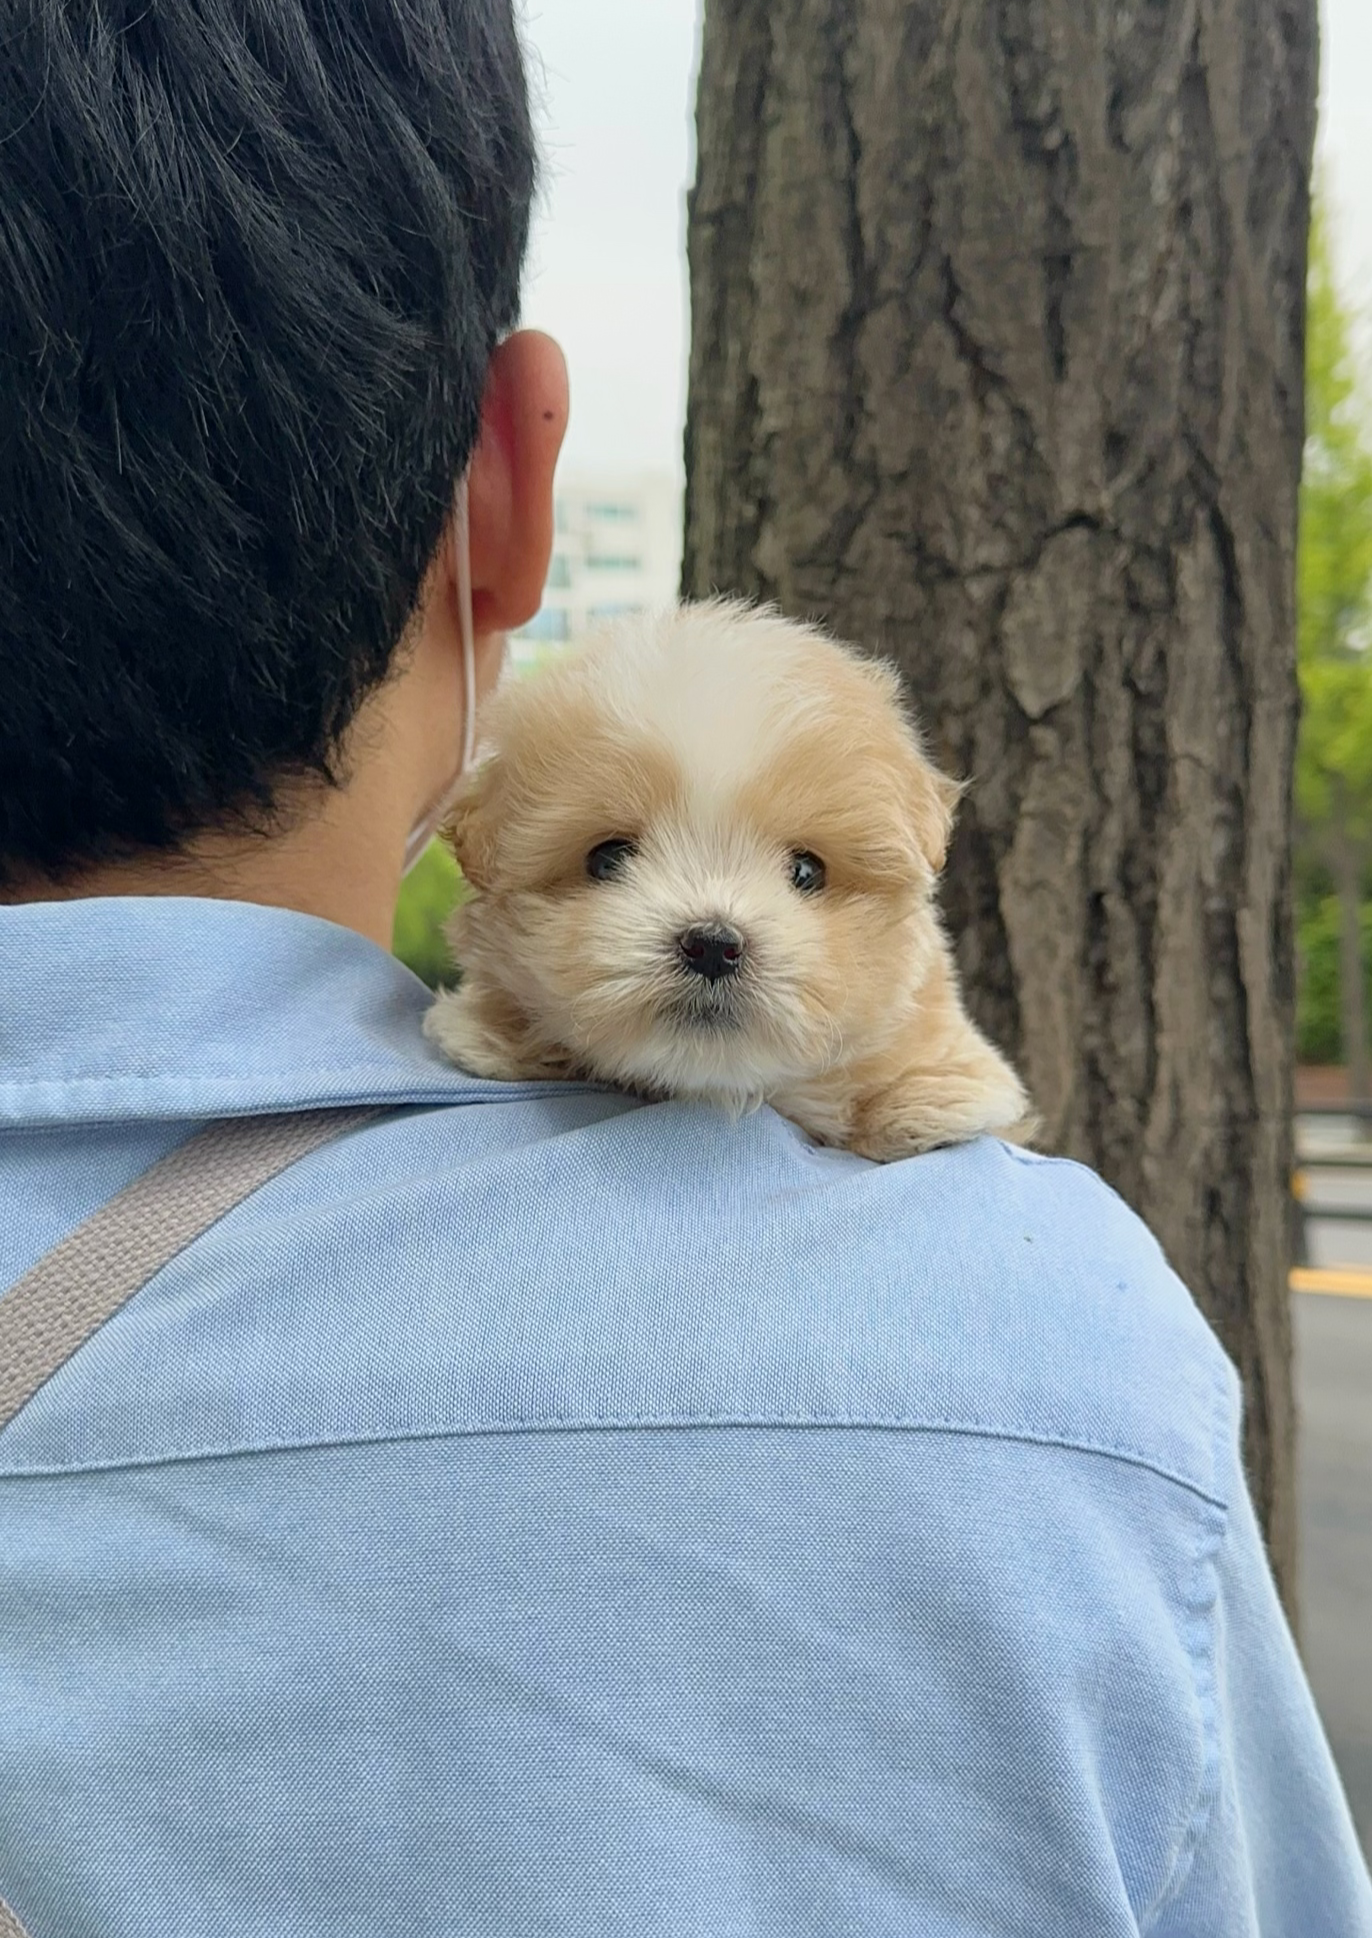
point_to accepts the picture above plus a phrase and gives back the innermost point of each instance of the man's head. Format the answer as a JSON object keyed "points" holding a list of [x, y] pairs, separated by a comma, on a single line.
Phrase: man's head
{"points": [[255, 257]]}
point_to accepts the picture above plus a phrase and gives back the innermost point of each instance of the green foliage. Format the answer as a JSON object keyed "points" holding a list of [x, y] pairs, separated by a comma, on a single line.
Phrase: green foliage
{"points": [[428, 895], [1334, 760], [1334, 583], [1319, 1025]]}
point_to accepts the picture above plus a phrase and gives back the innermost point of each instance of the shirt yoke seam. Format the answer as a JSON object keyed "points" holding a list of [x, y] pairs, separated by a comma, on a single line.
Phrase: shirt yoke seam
{"points": [[966, 1429], [410, 1090]]}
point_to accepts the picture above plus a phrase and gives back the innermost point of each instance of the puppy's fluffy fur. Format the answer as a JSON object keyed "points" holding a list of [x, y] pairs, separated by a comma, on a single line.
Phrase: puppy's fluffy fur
{"points": [[713, 746]]}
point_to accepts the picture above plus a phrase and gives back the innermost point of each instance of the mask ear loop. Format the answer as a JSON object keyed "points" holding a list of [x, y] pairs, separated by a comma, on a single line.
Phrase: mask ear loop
{"points": [[462, 545], [424, 829]]}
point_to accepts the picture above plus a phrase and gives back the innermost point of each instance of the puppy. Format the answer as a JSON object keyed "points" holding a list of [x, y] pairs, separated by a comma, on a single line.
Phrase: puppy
{"points": [[703, 852]]}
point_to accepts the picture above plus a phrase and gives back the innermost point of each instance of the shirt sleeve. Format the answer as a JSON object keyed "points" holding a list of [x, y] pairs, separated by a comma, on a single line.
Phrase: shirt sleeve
{"points": [[1274, 1853]]}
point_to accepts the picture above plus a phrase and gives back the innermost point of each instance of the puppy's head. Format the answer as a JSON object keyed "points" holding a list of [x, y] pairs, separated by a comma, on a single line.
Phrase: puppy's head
{"points": [[703, 850]]}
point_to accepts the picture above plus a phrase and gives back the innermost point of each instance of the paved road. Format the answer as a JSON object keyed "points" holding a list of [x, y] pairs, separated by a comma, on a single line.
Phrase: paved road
{"points": [[1334, 1394]]}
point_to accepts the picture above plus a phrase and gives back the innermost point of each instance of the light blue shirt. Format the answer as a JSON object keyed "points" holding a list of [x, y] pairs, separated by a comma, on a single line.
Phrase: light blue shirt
{"points": [[545, 1513]]}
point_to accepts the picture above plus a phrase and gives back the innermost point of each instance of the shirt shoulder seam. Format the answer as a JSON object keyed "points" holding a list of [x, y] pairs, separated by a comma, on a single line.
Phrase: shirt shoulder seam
{"points": [[1199, 1639], [967, 1429]]}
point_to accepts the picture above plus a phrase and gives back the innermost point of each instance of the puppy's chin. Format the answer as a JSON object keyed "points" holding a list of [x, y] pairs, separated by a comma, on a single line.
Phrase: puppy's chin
{"points": [[709, 1009], [701, 1060], [711, 1043]]}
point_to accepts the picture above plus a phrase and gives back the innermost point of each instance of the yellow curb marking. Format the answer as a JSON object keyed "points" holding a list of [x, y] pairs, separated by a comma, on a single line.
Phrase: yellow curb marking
{"points": [[1340, 1284]]}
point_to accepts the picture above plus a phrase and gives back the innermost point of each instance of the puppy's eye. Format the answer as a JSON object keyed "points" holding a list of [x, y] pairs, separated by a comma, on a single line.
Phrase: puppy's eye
{"points": [[607, 859], [807, 871]]}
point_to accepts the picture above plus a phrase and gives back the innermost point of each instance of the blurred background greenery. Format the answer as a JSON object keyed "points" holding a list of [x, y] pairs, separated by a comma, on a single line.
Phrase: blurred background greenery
{"points": [[1319, 1031], [428, 896], [1333, 850]]}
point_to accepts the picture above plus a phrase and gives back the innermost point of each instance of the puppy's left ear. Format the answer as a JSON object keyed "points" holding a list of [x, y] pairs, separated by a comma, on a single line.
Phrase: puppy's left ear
{"points": [[931, 800], [471, 827]]}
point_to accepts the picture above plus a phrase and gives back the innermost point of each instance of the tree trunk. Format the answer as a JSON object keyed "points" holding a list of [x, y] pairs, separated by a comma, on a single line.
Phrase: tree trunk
{"points": [[1352, 972], [997, 367]]}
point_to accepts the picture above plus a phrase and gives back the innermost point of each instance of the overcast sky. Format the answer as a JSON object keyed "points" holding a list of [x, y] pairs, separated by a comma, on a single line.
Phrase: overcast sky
{"points": [[607, 273]]}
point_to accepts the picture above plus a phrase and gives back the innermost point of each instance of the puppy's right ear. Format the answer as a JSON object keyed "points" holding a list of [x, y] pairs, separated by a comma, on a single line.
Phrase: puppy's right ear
{"points": [[470, 829]]}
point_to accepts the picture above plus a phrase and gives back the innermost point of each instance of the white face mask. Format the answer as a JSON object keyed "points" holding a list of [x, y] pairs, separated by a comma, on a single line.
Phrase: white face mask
{"points": [[424, 829]]}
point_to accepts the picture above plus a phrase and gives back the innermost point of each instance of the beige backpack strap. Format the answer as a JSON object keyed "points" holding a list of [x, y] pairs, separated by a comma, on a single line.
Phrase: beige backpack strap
{"points": [[83, 1281], [10, 1926]]}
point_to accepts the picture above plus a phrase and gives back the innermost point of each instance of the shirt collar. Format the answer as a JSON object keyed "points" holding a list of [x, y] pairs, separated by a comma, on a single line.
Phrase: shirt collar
{"points": [[169, 1007]]}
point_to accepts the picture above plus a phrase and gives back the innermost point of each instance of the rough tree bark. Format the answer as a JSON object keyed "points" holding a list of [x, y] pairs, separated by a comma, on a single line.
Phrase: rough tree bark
{"points": [[996, 366]]}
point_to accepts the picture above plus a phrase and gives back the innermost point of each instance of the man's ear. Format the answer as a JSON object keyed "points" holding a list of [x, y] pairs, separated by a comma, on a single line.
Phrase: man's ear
{"points": [[510, 480], [471, 827]]}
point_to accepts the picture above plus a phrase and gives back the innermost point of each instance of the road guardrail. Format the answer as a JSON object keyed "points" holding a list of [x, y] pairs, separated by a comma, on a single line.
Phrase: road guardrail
{"points": [[1338, 1157]]}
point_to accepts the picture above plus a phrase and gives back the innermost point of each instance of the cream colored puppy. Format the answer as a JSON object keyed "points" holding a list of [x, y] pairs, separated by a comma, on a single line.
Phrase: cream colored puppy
{"points": [[703, 852]]}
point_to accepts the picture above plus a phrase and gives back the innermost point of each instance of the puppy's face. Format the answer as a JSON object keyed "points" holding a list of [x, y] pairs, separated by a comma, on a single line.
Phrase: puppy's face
{"points": [[704, 850]]}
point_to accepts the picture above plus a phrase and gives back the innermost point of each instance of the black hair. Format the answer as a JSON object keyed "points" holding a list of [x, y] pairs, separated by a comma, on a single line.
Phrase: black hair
{"points": [[254, 258]]}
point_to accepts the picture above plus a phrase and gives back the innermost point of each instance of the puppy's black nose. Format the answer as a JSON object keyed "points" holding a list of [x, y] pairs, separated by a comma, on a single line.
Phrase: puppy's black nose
{"points": [[711, 950]]}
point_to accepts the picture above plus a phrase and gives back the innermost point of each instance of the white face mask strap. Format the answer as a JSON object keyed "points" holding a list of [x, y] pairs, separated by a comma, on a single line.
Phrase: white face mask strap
{"points": [[423, 831], [462, 547]]}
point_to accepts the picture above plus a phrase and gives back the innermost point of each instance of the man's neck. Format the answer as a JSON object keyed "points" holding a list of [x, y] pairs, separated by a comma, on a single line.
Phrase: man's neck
{"points": [[339, 859]]}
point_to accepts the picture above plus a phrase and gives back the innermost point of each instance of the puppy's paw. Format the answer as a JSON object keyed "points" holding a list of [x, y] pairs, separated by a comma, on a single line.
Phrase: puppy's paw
{"points": [[1024, 1130], [483, 1035], [979, 1095], [454, 1026]]}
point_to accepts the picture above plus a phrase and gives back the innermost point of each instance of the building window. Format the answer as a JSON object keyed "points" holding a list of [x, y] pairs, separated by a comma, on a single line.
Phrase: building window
{"points": [[559, 571], [550, 623], [609, 512], [616, 611], [610, 562]]}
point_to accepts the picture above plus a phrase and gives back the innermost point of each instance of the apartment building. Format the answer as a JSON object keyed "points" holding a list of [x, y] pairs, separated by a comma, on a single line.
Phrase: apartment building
{"points": [[616, 549]]}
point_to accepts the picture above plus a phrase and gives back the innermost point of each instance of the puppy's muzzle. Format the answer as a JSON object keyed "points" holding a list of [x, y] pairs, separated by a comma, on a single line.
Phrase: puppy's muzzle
{"points": [[712, 950]]}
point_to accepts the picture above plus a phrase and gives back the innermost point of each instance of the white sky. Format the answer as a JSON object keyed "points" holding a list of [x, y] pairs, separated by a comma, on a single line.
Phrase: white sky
{"points": [[615, 81], [1345, 138], [607, 267]]}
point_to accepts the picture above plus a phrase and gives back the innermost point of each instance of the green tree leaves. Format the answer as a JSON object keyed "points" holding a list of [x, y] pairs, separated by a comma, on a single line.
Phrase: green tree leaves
{"points": [[1334, 763], [1334, 757], [428, 896]]}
